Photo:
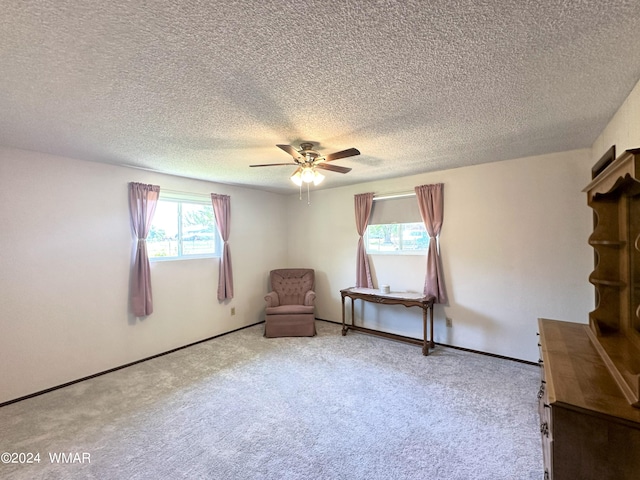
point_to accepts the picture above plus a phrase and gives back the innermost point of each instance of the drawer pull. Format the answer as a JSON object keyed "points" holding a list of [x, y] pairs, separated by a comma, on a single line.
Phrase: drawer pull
{"points": [[544, 429]]}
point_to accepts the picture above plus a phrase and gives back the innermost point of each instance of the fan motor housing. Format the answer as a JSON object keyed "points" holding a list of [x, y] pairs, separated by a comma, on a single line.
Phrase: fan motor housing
{"points": [[306, 151]]}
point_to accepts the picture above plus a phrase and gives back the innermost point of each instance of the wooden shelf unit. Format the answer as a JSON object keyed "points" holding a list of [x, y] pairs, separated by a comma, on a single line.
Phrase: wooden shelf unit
{"points": [[614, 196]]}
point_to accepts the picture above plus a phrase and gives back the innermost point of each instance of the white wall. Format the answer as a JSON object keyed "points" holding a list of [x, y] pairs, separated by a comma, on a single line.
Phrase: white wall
{"points": [[65, 250], [514, 248], [623, 130]]}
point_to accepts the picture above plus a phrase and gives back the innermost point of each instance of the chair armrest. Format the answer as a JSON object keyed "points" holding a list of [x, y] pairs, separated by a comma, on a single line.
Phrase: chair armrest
{"points": [[272, 299], [309, 297]]}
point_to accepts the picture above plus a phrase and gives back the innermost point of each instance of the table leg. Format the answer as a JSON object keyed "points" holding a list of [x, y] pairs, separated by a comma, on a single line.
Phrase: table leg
{"points": [[353, 312], [425, 346], [344, 326], [433, 344]]}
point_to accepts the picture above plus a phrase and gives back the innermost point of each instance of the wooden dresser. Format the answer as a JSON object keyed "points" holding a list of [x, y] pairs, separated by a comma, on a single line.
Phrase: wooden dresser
{"points": [[589, 429]]}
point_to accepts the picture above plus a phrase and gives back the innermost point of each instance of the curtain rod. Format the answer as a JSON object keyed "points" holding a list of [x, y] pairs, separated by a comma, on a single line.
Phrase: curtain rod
{"points": [[178, 192], [387, 196]]}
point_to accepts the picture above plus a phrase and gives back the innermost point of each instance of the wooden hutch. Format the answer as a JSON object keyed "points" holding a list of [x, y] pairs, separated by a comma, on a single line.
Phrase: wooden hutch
{"points": [[589, 399]]}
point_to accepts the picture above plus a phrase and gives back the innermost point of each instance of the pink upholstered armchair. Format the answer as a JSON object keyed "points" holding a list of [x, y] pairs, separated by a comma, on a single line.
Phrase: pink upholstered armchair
{"points": [[290, 304]]}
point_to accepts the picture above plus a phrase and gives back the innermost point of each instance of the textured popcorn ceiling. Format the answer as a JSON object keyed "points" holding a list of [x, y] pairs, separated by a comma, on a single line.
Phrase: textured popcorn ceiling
{"points": [[204, 88]]}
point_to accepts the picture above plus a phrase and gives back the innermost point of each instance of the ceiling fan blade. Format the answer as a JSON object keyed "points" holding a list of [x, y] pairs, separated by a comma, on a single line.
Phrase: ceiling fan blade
{"points": [[333, 168], [272, 164], [291, 151], [349, 152]]}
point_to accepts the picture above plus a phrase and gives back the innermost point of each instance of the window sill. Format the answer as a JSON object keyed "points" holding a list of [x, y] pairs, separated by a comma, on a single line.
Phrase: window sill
{"points": [[421, 253], [184, 257]]}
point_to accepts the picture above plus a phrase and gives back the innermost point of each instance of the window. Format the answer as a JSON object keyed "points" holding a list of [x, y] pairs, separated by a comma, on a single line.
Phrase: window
{"points": [[183, 229], [397, 238], [396, 228]]}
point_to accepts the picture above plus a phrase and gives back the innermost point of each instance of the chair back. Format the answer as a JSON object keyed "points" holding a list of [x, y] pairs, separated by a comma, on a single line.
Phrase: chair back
{"points": [[291, 284]]}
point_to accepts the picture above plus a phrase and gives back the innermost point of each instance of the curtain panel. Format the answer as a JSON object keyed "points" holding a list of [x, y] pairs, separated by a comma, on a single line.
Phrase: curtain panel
{"points": [[431, 204], [143, 200], [363, 205], [222, 210]]}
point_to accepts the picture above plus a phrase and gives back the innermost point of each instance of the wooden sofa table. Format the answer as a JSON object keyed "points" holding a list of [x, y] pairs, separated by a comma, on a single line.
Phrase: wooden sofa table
{"points": [[408, 299]]}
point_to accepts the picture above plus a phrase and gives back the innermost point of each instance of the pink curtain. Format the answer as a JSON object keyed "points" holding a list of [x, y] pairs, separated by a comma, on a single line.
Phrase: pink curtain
{"points": [[431, 203], [142, 205], [363, 204], [222, 210]]}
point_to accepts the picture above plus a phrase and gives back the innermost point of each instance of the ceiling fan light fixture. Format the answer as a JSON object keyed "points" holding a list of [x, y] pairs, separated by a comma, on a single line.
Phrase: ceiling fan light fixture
{"points": [[297, 178], [308, 174], [317, 178]]}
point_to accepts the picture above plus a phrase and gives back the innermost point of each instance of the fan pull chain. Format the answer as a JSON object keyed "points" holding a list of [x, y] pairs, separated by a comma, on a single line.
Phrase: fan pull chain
{"points": [[308, 196]]}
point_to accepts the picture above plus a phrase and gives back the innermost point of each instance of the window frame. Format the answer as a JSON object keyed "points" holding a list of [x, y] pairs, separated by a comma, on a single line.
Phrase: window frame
{"points": [[180, 200]]}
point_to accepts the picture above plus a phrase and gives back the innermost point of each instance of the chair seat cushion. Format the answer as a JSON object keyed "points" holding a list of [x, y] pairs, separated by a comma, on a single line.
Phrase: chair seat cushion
{"points": [[289, 309]]}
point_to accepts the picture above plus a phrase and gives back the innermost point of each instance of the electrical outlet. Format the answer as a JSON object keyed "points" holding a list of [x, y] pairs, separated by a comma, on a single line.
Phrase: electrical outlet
{"points": [[233, 311], [449, 322]]}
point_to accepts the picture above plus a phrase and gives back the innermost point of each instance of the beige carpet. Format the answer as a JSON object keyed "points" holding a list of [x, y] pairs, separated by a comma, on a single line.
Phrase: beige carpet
{"points": [[246, 407]]}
